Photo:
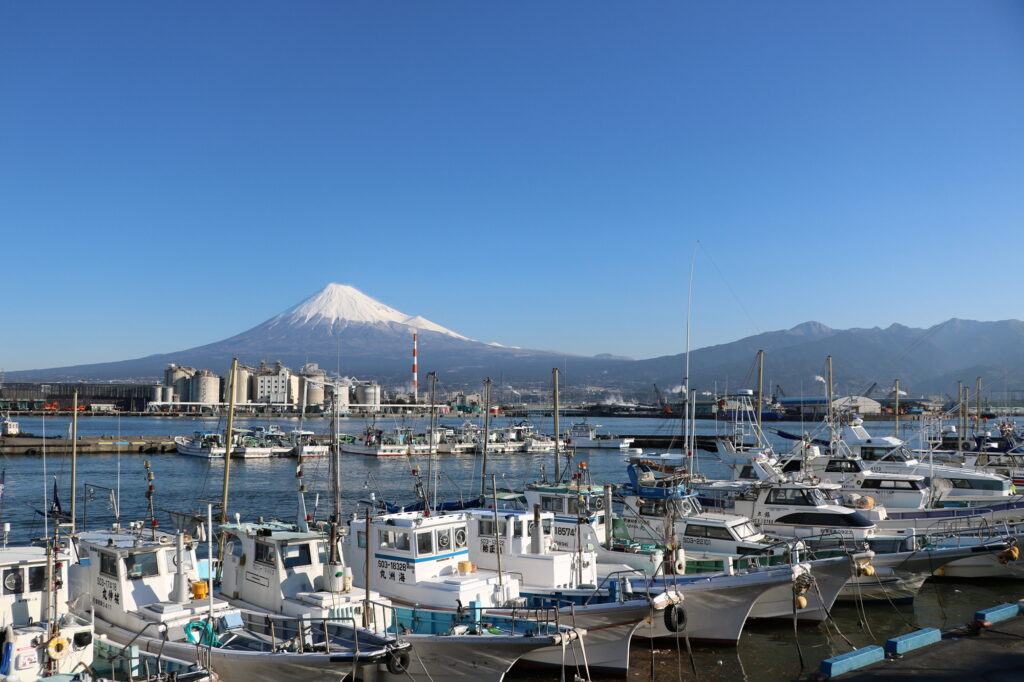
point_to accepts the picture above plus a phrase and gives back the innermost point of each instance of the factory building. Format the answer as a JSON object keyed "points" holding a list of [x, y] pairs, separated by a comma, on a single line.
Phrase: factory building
{"points": [[272, 385]]}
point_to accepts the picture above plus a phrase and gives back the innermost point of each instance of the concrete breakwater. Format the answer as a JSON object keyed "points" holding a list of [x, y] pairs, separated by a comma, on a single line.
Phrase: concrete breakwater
{"points": [[87, 445]]}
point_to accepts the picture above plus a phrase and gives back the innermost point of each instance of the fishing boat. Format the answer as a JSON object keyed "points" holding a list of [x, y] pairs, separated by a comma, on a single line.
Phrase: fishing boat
{"points": [[584, 435], [140, 586], [375, 442], [206, 444], [421, 561]]}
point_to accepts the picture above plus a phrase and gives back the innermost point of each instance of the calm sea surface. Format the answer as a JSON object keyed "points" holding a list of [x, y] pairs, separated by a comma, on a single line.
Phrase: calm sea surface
{"points": [[268, 488]]}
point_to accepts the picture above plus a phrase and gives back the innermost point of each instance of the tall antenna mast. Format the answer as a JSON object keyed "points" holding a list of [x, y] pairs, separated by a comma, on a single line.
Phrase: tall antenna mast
{"points": [[415, 373], [689, 315], [554, 381]]}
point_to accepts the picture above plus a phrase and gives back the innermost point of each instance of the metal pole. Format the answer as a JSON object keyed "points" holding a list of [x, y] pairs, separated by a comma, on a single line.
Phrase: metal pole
{"points": [[831, 416], [608, 519], [335, 468], [229, 441], [558, 465], [760, 390], [497, 536], [487, 436], [74, 461], [366, 574], [433, 442], [896, 412], [960, 416], [977, 412]]}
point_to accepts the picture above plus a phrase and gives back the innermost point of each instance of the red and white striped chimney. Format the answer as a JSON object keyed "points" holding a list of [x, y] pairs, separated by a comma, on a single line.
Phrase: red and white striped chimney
{"points": [[415, 372]]}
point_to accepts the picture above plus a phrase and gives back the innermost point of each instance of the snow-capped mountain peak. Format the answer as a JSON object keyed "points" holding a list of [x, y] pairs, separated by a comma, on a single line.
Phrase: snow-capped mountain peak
{"points": [[346, 304]]}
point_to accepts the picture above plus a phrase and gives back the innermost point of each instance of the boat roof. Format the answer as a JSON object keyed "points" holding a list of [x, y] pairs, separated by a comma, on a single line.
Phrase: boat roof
{"points": [[573, 488], [123, 539], [273, 530], [10, 556], [418, 520]]}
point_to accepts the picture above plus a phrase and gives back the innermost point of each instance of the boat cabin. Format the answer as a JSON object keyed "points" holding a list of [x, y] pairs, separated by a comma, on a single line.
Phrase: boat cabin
{"points": [[423, 560], [27, 603], [525, 550]]}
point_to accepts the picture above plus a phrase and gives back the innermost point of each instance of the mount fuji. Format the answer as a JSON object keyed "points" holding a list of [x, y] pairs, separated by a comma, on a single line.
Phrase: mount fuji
{"points": [[340, 327]]}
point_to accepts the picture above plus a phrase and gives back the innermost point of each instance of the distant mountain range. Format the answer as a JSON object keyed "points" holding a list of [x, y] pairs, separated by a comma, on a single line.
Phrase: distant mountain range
{"points": [[374, 341]]}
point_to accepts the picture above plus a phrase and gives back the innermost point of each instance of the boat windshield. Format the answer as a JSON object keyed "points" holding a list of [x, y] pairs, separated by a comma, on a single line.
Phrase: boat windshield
{"points": [[744, 530]]}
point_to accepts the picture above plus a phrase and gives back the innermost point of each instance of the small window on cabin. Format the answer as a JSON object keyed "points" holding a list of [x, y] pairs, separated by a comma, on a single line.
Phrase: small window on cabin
{"points": [[719, 533], [545, 526], [459, 537], [235, 548], [747, 472], [294, 556], [425, 543], [551, 503], [142, 565], [402, 540], [485, 527], [108, 564], [37, 578], [361, 539], [265, 554], [444, 539], [517, 528], [791, 466], [14, 581], [172, 556], [386, 539], [696, 530]]}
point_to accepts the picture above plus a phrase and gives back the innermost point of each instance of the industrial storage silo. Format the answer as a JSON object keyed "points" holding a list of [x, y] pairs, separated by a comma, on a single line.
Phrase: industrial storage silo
{"points": [[368, 396], [156, 394], [340, 394], [243, 378], [168, 394], [205, 387]]}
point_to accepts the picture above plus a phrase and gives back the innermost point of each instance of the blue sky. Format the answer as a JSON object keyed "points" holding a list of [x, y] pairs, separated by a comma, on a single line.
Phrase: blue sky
{"points": [[532, 173]]}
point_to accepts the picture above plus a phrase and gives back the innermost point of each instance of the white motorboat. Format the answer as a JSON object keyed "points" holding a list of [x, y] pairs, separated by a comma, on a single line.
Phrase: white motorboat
{"points": [[584, 435]]}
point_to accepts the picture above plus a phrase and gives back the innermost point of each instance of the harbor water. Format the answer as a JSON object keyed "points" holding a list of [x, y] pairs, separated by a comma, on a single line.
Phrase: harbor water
{"points": [[268, 487]]}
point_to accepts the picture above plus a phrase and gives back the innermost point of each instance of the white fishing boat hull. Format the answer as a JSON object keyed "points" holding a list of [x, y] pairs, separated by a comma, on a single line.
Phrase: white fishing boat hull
{"points": [[830, 575], [260, 452], [461, 657], [241, 666], [375, 450], [605, 647]]}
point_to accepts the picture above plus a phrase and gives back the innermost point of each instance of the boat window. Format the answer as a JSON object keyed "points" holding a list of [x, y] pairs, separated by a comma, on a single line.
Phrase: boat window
{"points": [[787, 496], [651, 507], [815, 497], [394, 539], [361, 539], [517, 528], [854, 520], [459, 536], [108, 564], [142, 565], [444, 539], [14, 581], [844, 466], [37, 578], [791, 466], [265, 554], [234, 547], [425, 542], [747, 472], [172, 557], [485, 527], [296, 555], [886, 484], [744, 530], [551, 503]]}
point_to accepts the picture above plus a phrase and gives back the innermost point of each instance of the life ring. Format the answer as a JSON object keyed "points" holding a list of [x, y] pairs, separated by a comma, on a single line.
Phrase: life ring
{"points": [[598, 502], [675, 618], [398, 662], [57, 648], [460, 537]]}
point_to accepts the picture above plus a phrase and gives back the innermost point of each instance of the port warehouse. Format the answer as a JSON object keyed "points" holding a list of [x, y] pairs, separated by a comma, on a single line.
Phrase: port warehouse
{"points": [[60, 396]]}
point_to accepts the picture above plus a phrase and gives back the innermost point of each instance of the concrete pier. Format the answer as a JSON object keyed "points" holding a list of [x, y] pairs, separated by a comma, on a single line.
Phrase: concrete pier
{"points": [[92, 445], [993, 653]]}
